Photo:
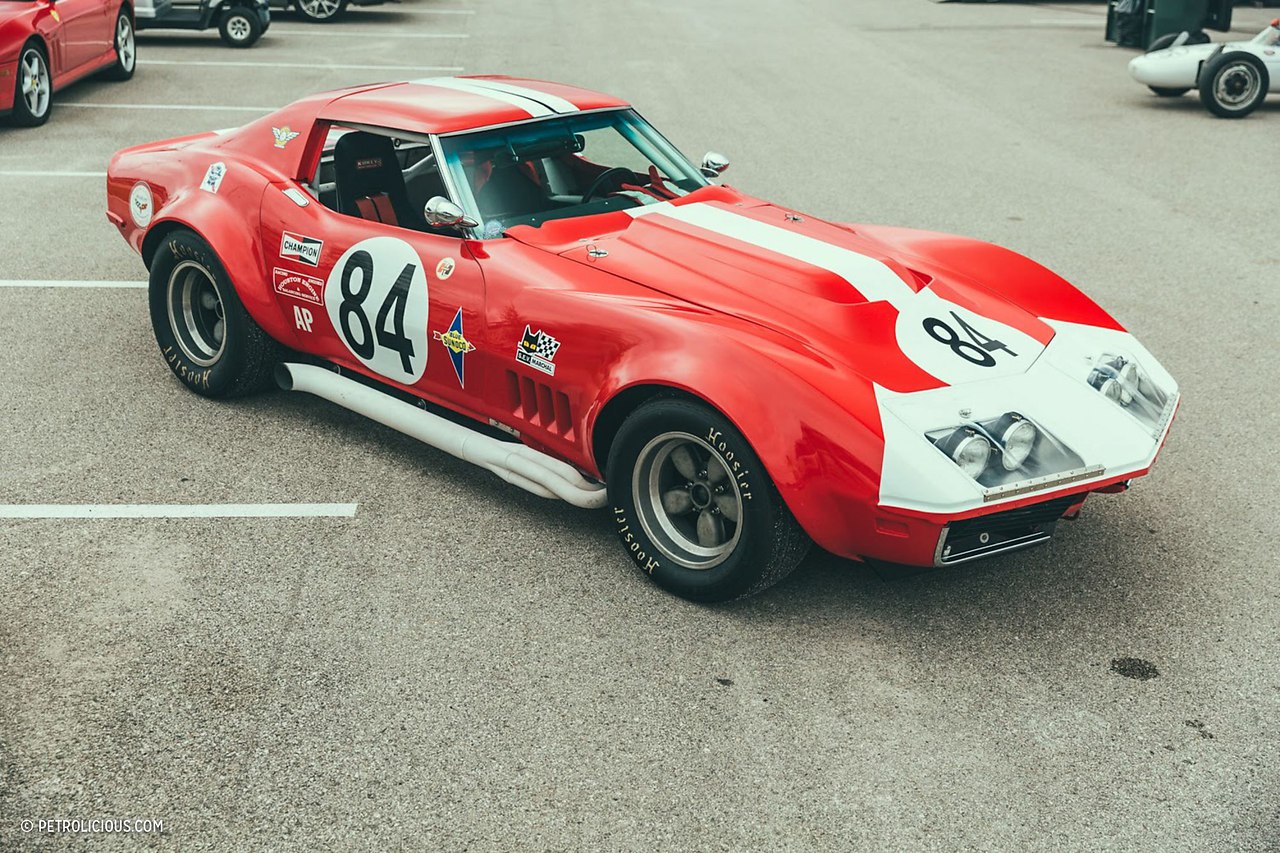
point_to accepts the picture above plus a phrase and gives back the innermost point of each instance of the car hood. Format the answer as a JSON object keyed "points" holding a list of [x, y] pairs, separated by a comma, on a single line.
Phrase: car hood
{"points": [[851, 299]]}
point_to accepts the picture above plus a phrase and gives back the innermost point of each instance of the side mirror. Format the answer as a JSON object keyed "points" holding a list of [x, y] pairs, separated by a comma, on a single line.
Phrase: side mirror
{"points": [[442, 213], [714, 164]]}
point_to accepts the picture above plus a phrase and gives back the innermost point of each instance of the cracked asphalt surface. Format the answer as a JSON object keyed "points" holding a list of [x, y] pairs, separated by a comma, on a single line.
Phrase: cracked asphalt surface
{"points": [[465, 666]]}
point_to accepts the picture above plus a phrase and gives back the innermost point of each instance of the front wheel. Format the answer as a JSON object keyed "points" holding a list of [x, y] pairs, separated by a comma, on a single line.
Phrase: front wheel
{"points": [[1232, 85], [126, 49], [33, 92], [240, 27], [694, 507], [207, 338]]}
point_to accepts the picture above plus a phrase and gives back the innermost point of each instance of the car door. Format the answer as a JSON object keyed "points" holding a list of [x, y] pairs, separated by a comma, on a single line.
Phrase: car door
{"points": [[404, 305], [85, 36]]}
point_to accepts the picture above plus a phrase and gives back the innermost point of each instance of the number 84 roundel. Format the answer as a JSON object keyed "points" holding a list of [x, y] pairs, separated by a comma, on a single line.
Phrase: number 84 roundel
{"points": [[376, 297]]}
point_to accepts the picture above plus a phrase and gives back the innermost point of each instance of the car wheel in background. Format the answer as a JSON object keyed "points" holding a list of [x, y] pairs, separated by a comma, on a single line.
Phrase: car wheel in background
{"points": [[33, 90], [240, 27], [1167, 40], [694, 507], [1168, 93], [126, 49], [209, 341], [320, 11], [1232, 85]]}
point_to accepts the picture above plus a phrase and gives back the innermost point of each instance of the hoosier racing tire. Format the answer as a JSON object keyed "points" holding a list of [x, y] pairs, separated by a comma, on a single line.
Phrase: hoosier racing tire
{"points": [[206, 337], [694, 507]]}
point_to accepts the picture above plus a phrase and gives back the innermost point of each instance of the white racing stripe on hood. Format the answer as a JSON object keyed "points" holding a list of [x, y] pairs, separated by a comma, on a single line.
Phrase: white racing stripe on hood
{"points": [[873, 279], [529, 105]]}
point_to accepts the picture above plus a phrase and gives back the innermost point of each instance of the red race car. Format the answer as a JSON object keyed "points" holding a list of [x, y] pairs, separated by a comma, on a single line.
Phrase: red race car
{"points": [[46, 46], [732, 379]]}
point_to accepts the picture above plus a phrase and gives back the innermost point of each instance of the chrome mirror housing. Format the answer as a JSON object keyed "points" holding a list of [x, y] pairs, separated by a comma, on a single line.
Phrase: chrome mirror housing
{"points": [[714, 163], [442, 213]]}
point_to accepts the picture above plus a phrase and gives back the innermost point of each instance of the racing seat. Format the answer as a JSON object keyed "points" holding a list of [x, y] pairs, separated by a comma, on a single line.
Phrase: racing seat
{"points": [[511, 190], [369, 182]]}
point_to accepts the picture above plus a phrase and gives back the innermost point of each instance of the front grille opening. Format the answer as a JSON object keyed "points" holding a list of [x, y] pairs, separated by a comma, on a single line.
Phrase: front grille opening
{"points": [[985, 535]]}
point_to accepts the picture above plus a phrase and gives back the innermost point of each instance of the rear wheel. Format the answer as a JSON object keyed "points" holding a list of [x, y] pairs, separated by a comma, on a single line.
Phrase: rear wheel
{"points": [[126, 49], [207, 338], [33, 91], [694, 507], [1232, 85], [321, 11], [240, 27]]}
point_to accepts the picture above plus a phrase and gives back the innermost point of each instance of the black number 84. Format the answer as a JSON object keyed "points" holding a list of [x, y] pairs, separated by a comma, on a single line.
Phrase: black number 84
{"points": [[977, 350]]}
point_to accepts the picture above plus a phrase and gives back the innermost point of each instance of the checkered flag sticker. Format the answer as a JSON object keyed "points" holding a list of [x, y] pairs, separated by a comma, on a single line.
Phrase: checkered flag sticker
{"points": [[547, 346]]}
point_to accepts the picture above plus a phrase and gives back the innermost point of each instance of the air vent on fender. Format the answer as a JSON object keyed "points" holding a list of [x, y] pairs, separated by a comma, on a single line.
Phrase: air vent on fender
{"points": [[539, 405]]}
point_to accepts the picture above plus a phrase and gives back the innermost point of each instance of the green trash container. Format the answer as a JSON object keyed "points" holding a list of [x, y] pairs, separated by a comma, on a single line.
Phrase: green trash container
{"points": [[1137, 23]]}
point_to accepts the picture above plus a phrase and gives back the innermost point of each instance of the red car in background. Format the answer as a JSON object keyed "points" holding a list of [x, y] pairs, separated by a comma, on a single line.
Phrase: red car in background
{"points": [[732, 378], [46, 46]]}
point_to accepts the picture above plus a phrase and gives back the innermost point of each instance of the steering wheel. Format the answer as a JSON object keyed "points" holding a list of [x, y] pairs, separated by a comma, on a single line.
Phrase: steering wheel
{"points": [[615, 173]]}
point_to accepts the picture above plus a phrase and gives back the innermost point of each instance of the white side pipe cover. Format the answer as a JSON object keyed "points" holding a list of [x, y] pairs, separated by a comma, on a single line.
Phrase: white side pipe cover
{"points": [[519, 465]]}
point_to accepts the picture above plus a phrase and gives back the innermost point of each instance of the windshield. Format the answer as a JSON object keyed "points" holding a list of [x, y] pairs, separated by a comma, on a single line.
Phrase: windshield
{"points": [[1270, 37], [563, 167]]}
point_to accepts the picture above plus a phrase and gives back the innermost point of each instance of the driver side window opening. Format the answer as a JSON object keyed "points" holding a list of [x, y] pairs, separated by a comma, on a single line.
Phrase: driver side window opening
{"points": [[378, 176]]}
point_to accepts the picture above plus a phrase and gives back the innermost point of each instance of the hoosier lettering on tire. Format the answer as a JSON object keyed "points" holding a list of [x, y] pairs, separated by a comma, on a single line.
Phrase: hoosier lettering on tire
{"points": [[207, 338], [694, 507]]}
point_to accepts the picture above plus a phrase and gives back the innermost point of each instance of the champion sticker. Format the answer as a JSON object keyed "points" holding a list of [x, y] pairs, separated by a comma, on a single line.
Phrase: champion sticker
{"points": [[213, 177], [445, 268], [538, 350], [141, 205], [297, 285], [299, 247]]}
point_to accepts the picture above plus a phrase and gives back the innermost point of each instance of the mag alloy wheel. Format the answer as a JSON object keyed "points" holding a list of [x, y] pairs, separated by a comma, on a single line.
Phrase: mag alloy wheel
{"points": [[687, 501], [124, 43], [319, 10], [33, 76], [196, 313]]}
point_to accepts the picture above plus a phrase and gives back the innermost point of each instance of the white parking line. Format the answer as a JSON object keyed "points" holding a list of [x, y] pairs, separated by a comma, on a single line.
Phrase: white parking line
{"points": [[168, 107], [30, 173], [118, 285], [316, 65], [177, 510], [353, 32]]}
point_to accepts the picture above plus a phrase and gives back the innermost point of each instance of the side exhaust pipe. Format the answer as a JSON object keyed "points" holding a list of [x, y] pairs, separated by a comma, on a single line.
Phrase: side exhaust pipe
{"points": [[521, 466]]}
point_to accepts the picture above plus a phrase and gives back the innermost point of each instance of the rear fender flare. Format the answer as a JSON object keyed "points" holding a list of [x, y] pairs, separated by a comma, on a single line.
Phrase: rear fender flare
{"points": [[234, 239]]}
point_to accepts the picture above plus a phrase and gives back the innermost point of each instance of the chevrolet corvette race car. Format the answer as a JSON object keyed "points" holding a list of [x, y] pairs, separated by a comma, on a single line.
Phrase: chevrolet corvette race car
{"points": [[1233, 78], [529, 276]]}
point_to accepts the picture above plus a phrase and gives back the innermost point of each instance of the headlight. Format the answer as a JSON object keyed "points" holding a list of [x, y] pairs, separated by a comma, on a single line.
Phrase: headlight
{"points": [[1017, 437], [968, 449], [1029, 454], [1123, 381]]}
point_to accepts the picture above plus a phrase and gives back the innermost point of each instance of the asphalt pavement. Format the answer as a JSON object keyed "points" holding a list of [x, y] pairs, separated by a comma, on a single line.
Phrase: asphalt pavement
{"points": [[461, 665]]}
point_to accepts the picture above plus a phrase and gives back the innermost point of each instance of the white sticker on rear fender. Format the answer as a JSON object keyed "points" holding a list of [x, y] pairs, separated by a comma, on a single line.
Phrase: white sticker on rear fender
{"points": [[957, 345], [376, 298], [213, 177]]}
